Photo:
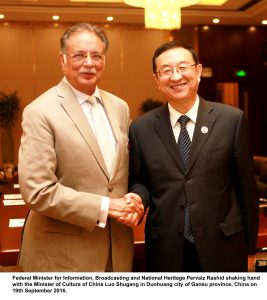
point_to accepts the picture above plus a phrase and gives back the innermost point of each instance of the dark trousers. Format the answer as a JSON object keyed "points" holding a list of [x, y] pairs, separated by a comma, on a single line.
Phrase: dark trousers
{"points": [[191, 262]]}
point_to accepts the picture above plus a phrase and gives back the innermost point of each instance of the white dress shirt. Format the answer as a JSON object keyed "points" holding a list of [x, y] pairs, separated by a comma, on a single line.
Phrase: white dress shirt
{"points": [[190, 126], [86, 107]]}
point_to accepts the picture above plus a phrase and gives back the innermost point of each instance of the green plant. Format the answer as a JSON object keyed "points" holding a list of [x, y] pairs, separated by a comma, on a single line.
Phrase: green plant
{"points": [[9, 108], [149, 104]]}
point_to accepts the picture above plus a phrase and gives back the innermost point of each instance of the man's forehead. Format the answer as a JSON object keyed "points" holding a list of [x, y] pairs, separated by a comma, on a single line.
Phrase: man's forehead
{"points": [[84, 38], [179, 54]]}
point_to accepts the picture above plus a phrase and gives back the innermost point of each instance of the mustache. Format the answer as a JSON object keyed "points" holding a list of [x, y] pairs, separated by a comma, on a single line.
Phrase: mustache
{"points": [[88, 71]]}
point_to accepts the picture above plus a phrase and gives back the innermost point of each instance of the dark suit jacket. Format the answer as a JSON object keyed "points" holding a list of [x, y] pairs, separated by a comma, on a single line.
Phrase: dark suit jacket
{"points": [[218, 184]]}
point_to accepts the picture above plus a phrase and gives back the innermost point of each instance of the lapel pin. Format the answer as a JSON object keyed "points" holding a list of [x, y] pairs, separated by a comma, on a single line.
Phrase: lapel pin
{"points": [[204, 129]]}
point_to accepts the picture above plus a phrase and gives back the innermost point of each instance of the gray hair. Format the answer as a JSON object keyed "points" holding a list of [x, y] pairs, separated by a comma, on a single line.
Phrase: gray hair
{"points": [[80, 27]]}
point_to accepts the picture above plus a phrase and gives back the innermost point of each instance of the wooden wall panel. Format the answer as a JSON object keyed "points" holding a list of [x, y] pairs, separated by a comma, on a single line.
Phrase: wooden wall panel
{"points": [[226, 49]]}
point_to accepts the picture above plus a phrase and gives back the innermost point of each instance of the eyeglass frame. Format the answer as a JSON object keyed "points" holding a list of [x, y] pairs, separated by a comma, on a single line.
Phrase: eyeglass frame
{"points": [[178, 68], [84, 56]]}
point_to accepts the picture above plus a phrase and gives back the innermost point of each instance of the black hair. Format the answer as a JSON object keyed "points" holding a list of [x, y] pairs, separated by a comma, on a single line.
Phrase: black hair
{"points": [[171, 45]]}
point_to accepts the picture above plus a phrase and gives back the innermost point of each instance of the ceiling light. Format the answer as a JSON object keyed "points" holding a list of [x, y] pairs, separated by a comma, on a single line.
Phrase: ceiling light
{"points": [[137, 3], [216, 21], [162, 15], [110, 18], [184, 3], [206, 28], [252, 28], [55, 18], [212, 2], [166, 14], [2, 16], [141, 3], [264, 22]]}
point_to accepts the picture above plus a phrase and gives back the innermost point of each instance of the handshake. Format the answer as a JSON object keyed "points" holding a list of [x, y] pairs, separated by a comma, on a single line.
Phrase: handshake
{"points": [[128, 210]]}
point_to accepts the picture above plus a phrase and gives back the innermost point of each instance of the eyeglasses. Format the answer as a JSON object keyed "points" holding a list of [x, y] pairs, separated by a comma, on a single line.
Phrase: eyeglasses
{"points": [[81, 57], [168, 71]]}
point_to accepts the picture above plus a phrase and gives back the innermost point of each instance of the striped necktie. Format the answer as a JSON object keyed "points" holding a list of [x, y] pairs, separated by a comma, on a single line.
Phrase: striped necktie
{"points": [[184, 144]]}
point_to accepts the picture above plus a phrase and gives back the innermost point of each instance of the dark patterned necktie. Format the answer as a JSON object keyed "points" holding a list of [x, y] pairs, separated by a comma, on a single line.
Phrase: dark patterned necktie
{"points": [[184, 144]]}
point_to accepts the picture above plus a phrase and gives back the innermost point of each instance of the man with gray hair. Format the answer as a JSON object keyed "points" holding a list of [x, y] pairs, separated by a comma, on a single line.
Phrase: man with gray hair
{"points": [[73, 168]]}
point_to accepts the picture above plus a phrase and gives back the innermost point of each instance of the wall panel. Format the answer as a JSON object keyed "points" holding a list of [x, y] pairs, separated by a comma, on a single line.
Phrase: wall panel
{"points": [[29, 60]]}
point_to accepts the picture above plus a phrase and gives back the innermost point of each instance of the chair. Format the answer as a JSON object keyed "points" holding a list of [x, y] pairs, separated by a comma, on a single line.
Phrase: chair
{"points": [[261, 259], [260, 166], [2, 177]]}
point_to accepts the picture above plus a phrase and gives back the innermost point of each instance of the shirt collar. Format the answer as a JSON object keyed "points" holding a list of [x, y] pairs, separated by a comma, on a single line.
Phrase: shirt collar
{"points": [[192, 113], [82, 97]]}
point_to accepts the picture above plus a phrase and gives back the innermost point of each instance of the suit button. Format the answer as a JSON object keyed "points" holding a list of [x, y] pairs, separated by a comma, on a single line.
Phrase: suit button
{"points": [[110, 189]]}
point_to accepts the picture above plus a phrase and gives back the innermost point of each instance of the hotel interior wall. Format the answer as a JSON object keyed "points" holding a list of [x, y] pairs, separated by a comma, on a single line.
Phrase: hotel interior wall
{"points": [[29, 61]]}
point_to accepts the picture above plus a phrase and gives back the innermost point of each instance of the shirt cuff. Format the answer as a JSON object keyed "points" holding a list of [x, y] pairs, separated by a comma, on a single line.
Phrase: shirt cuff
{"points": [[103, 212]]}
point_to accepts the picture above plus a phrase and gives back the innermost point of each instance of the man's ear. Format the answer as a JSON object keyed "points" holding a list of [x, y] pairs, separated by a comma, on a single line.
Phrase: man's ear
{"points": [[156, 79], [199, 72], [63, 58]]}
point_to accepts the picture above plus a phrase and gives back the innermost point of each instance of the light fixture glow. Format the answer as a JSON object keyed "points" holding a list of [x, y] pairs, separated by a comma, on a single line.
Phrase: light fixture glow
{"points": [[161, 15], [2, 16], [55, 18], [166, 14], [110, 18], [241, 73], [252, 28], [216, 21], [212, 2], [183, 3], [137, 3], [264, 22]]}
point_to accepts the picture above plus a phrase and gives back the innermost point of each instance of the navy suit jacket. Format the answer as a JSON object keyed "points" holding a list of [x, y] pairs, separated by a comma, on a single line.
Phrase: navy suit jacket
{"points": [[218, 185]]}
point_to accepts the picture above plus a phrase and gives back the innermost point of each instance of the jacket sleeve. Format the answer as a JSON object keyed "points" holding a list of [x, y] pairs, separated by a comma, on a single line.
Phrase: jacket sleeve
{"points": [[137, 174], [40, 187], [245, 184]]}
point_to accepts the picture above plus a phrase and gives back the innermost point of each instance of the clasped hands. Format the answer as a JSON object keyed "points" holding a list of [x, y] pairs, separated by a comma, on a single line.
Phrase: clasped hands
{"points": [[127, 210]]}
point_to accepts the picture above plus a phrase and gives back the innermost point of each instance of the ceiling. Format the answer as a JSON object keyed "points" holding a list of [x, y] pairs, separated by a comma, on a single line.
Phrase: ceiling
{"points": [[233, 12]]}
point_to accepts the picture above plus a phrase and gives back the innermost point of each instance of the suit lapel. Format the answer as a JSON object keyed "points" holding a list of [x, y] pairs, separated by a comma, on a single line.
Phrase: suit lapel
{"points": [[204, 124], [203, 128], [75, 112], [165, 133]]}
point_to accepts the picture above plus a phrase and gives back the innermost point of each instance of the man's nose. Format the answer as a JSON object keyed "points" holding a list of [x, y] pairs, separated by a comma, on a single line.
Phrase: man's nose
{"points": [[88, 60], [175, 74]]}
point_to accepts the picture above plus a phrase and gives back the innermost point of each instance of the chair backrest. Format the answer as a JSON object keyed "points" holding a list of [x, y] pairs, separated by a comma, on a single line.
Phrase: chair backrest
{"points": [[260, 167], [2, 177]]}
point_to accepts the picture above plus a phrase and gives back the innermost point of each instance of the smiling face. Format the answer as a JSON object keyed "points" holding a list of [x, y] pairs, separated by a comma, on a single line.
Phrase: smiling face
{"points": [[178, 77], [83, 74]]}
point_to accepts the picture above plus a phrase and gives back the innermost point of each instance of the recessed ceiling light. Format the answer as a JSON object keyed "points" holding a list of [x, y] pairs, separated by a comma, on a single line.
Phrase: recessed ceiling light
{"points": [[2, 16], [264, 22], [252, 28], [55, 18], [216, 21], [110, 18]]}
